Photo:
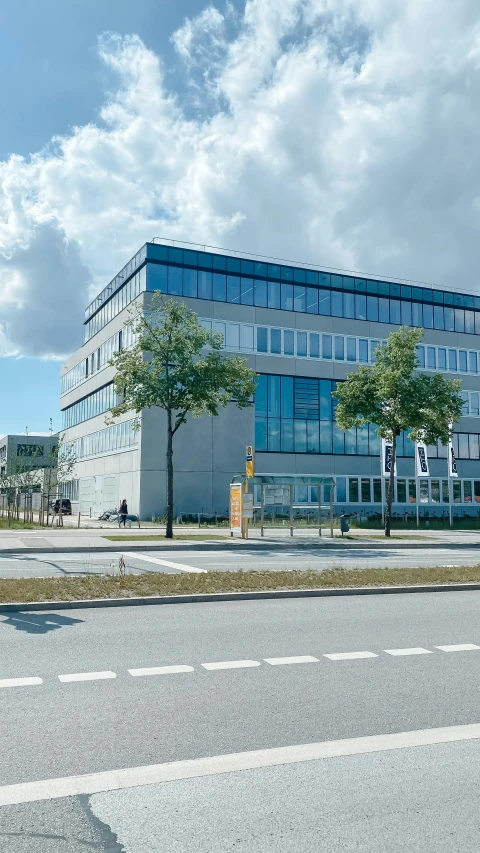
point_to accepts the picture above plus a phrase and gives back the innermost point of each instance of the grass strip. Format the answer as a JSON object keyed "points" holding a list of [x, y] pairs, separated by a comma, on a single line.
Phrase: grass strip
{"points": [[157, 538], [127, 586]]}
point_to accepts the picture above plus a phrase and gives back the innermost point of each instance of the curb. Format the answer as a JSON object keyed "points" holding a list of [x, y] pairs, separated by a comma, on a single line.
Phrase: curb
{"points": [[240, 546], [328, 592]]}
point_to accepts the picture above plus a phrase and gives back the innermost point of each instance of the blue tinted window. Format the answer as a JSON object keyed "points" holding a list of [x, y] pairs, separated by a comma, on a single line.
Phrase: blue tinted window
{"points": [[300, 302], [473, 362], [287, 397], [442, 358], [262, 339], [438, 320], [190, 258], [469, 322], [300, 430], [395, 316], [458, 299], [273, 271], [312, 277], [349, 305], [427, 295], [421, 356], [324, 279], [351, 349], [189, 282], [452, 359], [233, 265], [324, 303], [406, 313], [417, 315], [363, 351], [459, 320], [233, 288], [247, 291], [157, 277], [205, 285], [462, 360], [273, 434], [477, 322], [372, 286], [276, 341], [288, 342], [299, 275], [336, 304], [428, 316], [273, 294], [260, 293], [360, 307], [287, 273], [160, 253], [431, 359], [261, 395], [337, 281], [246, 267], [175, 256], [312, 300], [372, 308], [325, 400], [204, 260], [326, 346], [341, 490], [219, 262], [438, 297], [325, 437], [287, 435], [339, 347], [314, 345], [302, 344], [260, 434], [258, 268], [360, 285], [287, 297], [313, 444], [219, 287], [273, 403], [449, 318]]}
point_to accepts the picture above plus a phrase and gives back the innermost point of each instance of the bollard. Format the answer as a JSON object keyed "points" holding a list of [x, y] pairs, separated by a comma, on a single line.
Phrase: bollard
{"points": [[78, 522]]}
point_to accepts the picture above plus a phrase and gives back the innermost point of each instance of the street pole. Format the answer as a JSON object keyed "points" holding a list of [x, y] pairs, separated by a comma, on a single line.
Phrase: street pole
{"points": [[382, 483]]}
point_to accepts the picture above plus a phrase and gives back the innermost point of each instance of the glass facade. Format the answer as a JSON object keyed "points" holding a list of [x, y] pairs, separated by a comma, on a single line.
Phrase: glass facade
{"points": [[97, 359], [110, 440], [116, 303], [297, 415], [94, 404], [128, 270], [368, 490]]}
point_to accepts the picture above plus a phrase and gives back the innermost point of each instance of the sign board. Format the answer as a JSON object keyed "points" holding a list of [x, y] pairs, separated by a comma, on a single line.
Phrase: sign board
{"points": [[247, 506], [452, 462], [387, 459], [421, 460], [236, 507], [249, 461]]}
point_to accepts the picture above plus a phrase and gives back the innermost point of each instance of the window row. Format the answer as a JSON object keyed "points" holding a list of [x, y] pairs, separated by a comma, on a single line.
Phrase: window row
{"points": [[116, 282], [97, 360], [117, 437], [130, 290], [301, 275], [94, 404], [368, 490], [241, 290]]}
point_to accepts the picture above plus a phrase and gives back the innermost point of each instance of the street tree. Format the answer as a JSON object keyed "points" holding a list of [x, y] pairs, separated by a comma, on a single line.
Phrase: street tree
{"points": [[58, 470], [395, 397], [177, 365]]}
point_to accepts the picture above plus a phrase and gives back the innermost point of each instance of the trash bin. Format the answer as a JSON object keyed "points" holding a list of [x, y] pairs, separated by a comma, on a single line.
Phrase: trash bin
{"points": [[344, 525]]}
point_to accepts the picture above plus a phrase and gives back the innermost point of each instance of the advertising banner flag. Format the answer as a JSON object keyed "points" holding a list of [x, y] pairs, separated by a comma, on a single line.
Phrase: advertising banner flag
{"points": [[452, 462], [421, 460], [387, 458]]}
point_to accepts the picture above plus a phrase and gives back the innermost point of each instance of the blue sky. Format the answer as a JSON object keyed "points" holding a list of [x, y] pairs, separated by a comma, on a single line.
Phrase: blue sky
{"points": [[337, 132]]}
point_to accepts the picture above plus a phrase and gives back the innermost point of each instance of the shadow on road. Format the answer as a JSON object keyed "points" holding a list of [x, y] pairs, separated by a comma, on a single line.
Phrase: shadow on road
{"points": [[39, 623]]}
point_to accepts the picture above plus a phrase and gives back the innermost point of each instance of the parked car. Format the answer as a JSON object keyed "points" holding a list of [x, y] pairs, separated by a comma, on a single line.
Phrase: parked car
{"points": [[66, 506]]}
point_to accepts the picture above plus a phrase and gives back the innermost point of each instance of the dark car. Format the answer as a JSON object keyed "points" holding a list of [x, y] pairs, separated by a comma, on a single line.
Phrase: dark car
{"points": [[66, 506]]}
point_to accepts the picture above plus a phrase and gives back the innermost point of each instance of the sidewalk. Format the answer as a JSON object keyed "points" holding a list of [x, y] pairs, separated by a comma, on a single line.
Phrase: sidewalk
{"points": [[48, 540]]}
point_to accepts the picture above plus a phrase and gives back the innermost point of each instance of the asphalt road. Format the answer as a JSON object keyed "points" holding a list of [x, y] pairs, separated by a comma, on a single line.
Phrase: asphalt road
{"points": [[55, 564], [243, 679]]}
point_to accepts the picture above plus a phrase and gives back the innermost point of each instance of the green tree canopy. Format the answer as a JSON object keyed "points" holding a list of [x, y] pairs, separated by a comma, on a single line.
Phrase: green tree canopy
{"points": [[394, 397], [178, 365]]}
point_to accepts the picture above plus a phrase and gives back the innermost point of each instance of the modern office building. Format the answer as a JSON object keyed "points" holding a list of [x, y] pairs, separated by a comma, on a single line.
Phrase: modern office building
{"points": [[32, 450], [303, 329]]}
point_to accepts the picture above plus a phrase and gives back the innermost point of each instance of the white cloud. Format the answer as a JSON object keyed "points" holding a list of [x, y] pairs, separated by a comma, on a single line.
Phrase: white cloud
{"points": [[342, 132]]}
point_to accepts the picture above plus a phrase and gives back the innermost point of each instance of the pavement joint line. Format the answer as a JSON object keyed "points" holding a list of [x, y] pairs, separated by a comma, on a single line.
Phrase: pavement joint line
{"points": [[231, 664], [19, 682], [181, 567], [132, 777], [160, 670], [405, 652], [291, 660], [87, 676], [460, 647], [350, 655]]}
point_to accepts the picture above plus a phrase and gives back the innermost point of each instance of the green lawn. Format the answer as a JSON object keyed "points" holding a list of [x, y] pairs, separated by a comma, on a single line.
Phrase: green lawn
{"points": [[158, 538]]}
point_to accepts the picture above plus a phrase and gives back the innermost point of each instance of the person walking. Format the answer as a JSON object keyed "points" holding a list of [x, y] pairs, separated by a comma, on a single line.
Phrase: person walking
{"points": [[123, 512]]}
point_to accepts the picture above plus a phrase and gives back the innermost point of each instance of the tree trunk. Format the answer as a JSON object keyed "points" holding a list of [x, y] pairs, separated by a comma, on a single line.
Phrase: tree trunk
{"points": [[169, 530], [391, 487]]}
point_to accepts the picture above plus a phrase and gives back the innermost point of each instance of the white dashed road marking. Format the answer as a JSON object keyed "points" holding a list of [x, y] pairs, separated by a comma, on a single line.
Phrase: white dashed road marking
{"points": [[180, 566], [19, 682], [231, 664], [461, 647], [160, 670], [351, 655], [298, 659], [400, 652], [87, 676]]}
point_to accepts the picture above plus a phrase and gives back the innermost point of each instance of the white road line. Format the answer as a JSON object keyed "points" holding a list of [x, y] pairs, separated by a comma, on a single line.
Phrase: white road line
{"points": [[19, 682], [351, 655], [132, 777], [461, 647], [298, 659], [87, 676], [180, 566], [417, 651], [231, 664], [160, 670]]}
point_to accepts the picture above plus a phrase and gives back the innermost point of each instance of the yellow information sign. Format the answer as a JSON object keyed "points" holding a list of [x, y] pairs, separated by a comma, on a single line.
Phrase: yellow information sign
{"points": [[249, 467], [236, 507]]}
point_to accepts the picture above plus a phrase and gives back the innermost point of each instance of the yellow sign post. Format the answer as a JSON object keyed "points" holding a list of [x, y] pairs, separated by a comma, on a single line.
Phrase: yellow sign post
{"points": [[249, 467]]}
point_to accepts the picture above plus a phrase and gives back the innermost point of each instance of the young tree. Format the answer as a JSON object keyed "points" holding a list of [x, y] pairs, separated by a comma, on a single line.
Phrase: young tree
{"points": [[169, 367], [394, 397], [57, 471]]}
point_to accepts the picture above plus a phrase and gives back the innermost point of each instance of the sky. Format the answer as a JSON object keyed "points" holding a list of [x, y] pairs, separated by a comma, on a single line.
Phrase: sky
{"points": [[337, 132]]}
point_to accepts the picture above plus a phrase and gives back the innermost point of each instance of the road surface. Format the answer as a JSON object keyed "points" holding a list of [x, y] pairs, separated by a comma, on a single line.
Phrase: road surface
{"points": [[57, 564], [96, 691]]}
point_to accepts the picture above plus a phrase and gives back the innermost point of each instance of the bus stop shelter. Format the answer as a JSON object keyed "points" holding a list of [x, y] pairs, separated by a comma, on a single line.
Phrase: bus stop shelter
{"points": [[289, 481]]}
